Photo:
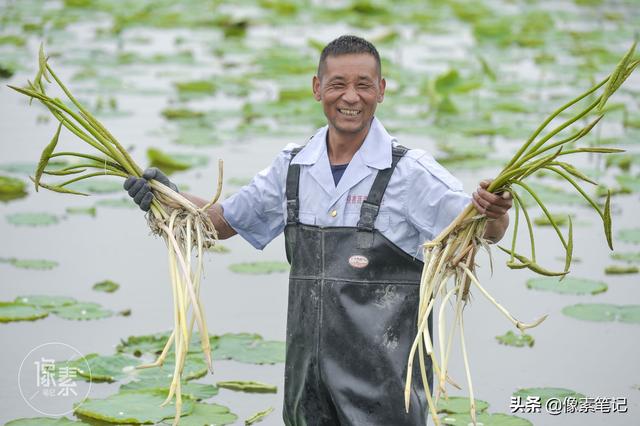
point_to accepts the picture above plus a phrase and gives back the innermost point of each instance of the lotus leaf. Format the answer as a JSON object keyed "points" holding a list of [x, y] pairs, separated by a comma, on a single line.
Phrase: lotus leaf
{"points": [[82, 311], [12, 311], [569, 285]]}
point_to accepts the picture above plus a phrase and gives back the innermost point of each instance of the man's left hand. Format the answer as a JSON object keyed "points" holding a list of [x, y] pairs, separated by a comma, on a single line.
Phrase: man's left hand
{"points": [[491, 205]]}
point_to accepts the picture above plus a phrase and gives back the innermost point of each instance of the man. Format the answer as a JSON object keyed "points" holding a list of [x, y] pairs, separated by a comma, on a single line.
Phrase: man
{"points": [[355, 207]]}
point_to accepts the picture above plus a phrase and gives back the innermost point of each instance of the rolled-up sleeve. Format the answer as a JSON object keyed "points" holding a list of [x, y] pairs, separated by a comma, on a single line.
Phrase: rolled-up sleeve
{"points": [[256, 212], [434, 198]]}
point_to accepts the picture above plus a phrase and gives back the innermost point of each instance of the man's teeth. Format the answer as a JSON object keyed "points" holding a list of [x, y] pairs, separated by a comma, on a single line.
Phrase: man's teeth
{"points": [[349, 111]]}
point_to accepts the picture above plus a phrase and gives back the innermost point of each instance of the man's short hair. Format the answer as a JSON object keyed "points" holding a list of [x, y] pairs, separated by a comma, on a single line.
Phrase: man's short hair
{"points": [[345, 45]]}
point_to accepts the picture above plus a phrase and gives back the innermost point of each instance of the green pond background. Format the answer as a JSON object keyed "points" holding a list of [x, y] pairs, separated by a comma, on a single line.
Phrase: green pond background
{"points": [[207, 80]]}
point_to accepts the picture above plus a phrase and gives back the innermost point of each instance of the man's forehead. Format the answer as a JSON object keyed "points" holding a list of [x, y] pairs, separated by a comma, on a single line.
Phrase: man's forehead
{"points": [[360, 65]]}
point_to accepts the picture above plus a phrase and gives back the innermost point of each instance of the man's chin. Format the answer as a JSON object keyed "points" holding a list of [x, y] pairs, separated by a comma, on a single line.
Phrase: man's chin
{"points": [[350, 128]]}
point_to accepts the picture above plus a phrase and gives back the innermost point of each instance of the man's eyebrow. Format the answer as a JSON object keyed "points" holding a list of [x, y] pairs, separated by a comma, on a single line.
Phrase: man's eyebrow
{"points": [[341, 78]]}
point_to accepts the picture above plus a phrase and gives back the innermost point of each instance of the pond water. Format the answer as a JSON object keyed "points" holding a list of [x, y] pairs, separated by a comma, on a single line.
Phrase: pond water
{"points": [[118, 75]]}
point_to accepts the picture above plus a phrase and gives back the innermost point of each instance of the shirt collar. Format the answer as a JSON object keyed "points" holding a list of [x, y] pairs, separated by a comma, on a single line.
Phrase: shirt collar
{"points": [[375, 151]]}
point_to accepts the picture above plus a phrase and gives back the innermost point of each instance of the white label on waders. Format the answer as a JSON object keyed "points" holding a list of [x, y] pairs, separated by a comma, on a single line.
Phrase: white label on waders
{"points": [[358, 261]]}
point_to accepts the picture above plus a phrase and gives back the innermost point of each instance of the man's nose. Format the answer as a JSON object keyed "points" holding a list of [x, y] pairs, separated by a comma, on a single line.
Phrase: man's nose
{"points": [[350, 94]]}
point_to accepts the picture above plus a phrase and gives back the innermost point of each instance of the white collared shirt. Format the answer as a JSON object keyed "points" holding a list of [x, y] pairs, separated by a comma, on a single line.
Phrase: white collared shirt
{"points": [[422, 197]]}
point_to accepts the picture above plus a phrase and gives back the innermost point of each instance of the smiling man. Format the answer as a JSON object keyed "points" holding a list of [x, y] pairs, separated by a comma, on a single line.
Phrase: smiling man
{"points": [[355, 207]]}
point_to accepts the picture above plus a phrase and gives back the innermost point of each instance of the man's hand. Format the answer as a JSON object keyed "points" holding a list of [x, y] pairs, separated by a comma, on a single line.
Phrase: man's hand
{"points": [[491, 205], [495, 207], [140, 190]]}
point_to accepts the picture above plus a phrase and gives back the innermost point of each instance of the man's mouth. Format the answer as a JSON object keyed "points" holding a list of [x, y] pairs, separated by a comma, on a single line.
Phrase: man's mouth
{"points": [[349, 112]]}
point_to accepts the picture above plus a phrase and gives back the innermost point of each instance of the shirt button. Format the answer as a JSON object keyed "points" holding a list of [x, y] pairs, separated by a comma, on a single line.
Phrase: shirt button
{"points": [[333, 213]]}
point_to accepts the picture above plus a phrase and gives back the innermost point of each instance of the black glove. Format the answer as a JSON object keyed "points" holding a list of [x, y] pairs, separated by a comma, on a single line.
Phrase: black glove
{"points": [[140, 190]]}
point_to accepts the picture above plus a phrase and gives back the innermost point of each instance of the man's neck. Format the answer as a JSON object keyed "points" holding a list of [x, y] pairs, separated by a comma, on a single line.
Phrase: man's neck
{"points": [[342, 147]]}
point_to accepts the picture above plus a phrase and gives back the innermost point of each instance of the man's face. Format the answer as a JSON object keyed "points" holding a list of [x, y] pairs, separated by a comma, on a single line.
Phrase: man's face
{"points": [[350, 89]]}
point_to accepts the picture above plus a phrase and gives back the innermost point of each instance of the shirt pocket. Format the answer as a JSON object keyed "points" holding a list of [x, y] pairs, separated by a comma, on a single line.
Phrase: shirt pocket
{"points": [[382, 223], [307, 218]]}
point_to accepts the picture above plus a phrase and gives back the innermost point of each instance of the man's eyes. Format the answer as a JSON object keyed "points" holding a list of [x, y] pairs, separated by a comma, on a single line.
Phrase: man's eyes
{"points": [[361, 86]]}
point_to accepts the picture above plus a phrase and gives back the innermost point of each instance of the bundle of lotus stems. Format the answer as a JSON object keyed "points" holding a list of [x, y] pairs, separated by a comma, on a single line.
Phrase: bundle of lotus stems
{"points": [[449, 268], [186, 229]]}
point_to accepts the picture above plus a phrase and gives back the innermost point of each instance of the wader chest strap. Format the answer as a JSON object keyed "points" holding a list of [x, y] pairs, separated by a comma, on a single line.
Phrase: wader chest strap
{"points": [[371, 206], [293, 179]]}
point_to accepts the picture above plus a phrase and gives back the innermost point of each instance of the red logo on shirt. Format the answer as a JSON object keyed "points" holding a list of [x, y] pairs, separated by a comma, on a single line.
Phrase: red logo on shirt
{"points": [[356, 199]]}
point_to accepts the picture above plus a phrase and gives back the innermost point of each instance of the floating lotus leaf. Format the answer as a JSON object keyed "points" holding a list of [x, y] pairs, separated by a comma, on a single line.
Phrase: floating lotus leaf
{"points": [[258, 417], [457, 404], [166, 161], [551, 195], [97, 186], [218, 248], [247, 386], [191, 133], [152, 343], [591, 311], [559, 219], [12, 39], [45, 301], [208, 414], [630, 182], [194, 390], [105, 368], [259, 267], [486, 419], [629, 313], [12, 311], [194, 367], [470, 163], [172, 162], [45, 421], [89, 211], [248, 348], [181, 114], [547, 393], [603, 312], [30, 263], [137, 345], [569, 285], [32, 219], [518, 340], [12, 188], [82, 311], [132, 407], [631, 257], [106, 286], [201, 87], [618, 270]]}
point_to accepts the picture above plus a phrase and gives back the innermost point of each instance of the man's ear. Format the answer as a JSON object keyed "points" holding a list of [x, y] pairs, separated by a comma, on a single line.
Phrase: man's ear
{"points": [[383, 85], [316, 87]]}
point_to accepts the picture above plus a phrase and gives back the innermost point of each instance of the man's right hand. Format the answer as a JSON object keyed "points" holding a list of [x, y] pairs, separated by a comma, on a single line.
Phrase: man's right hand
{"points": [[140, 190]]}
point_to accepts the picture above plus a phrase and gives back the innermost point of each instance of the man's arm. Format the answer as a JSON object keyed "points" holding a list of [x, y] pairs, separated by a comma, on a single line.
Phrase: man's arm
{"points": [[216, 213], [495, 207]]}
